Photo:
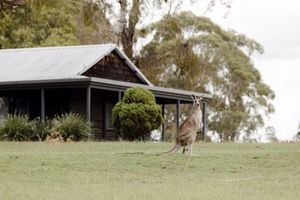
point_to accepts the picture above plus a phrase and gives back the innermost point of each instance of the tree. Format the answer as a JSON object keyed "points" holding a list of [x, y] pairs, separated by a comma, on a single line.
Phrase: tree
{"points": [[193, 53], [93, 27], [31, 23], [29, 26], [130, 15], [91, 21], [137, 114]]}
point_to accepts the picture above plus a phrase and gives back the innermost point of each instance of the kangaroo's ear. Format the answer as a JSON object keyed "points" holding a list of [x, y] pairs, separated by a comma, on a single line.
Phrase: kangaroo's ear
{"points": [[193, 97]]}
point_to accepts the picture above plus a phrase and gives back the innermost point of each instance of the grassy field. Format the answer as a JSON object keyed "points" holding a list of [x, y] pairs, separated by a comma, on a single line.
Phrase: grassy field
{"points": [[124, 171]]}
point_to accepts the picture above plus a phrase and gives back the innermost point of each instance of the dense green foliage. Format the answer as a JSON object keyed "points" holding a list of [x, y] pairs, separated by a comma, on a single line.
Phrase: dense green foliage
{"points": [[193, 53], [26, 26], [71, 126], [137, 114], [52, 23], [16, 128]]}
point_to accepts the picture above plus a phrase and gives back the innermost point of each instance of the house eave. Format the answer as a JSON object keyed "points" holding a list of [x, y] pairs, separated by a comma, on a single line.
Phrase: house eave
{"points": [[104, 84], [161, 92]]}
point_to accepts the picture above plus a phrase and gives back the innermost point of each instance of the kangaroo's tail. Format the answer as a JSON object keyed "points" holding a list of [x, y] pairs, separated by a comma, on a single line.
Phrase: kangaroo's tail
{"points": [[176, 147]]}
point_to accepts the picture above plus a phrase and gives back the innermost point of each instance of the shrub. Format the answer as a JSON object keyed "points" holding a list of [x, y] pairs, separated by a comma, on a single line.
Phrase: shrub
{"points": [[15, 127], [40, 129], [137, 114], [71, 126]]}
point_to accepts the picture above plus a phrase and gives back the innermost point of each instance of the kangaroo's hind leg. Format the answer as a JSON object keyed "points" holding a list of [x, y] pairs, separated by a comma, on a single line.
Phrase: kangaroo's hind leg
{"points": [[190, 146], [185, 148]]}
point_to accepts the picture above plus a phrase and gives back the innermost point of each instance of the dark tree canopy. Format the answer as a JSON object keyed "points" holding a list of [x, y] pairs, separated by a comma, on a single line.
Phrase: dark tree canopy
{"points": [[52, 23]]}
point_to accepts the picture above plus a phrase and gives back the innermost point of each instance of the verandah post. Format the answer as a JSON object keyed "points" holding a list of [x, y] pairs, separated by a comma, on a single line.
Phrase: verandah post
{"points": [[163, 124], [88, 103], [119, 96], [43, 104], [177, 115]]}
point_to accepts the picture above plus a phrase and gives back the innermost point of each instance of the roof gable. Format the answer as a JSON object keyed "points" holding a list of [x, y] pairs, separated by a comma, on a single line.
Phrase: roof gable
{"points": [[113, 67], [56, 62]]}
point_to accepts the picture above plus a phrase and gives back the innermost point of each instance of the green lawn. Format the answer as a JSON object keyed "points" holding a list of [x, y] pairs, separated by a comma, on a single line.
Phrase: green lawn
{"points": [[120, 170]]}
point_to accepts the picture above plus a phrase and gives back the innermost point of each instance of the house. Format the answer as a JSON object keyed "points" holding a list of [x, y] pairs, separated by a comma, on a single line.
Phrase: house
{"points": [[90, 80]]}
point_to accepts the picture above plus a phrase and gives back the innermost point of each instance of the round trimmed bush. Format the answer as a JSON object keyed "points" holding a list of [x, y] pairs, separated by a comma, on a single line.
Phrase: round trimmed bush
{"points": [[137, 114]]}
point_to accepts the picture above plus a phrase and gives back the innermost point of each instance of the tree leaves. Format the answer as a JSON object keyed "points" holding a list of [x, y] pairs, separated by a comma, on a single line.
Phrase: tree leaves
{"points": [[29, 26], [53, 23], [195, 54]]}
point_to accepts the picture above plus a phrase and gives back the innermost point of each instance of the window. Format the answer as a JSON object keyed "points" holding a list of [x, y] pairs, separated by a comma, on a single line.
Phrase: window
{"points": [[108, 115]]}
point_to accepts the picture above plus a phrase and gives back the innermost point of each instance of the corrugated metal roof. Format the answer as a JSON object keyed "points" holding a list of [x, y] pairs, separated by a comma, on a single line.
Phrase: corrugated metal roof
{"points": [[55, 62], [40, 67]]}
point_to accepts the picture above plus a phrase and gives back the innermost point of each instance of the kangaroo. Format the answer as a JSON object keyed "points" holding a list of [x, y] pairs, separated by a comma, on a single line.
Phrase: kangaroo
{"points": [[186, 135]]}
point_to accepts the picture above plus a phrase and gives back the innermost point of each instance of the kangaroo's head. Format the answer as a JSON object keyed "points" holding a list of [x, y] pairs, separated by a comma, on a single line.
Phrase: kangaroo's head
{"points": [[197, 100]]}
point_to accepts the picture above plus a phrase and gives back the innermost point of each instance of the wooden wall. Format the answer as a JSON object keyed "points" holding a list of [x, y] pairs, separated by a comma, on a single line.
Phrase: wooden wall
{"points": [[113, 67], [97, 113], [78, 101], [99, 104]]}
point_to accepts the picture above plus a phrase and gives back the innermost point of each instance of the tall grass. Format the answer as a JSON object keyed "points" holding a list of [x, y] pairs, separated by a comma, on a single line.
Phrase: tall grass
{"points": [[15, 127], [72, 126], [69, 126], [41, 129]]}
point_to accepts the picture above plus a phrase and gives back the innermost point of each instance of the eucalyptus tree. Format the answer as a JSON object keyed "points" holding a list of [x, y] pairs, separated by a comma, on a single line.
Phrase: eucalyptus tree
{"points": [[91, 21], [128, 16], [191, 52], [29, 23]]}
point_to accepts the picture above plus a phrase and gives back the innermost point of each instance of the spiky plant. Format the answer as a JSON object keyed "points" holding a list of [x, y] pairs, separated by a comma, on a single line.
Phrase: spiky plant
{"points": [[15, 127], [41, 129], [72, 126]]}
